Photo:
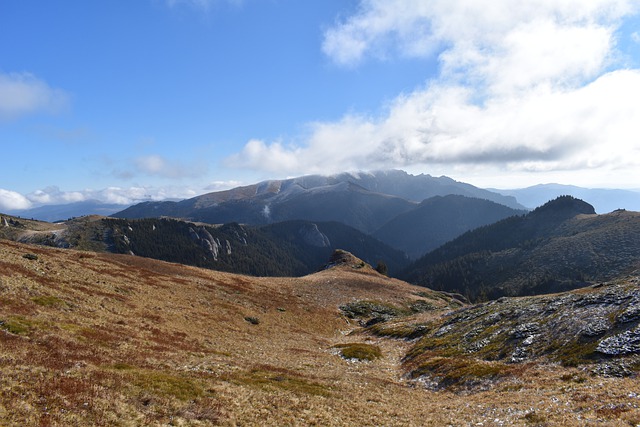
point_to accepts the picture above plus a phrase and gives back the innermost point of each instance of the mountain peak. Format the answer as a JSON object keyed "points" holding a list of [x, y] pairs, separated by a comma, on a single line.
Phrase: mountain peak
{"points": [[342, 258], [564, 207]]}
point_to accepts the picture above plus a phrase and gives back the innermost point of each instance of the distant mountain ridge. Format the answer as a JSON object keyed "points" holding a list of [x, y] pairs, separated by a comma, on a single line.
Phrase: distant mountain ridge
{"points": [[438, 220], [62, 212], [365, 201], [559, 246], [603, 200], [293, 248]]}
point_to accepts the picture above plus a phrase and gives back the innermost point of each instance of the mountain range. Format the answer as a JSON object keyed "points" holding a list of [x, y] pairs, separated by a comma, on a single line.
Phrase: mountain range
{"points": [[94, 331], [292, 248], [392, 182], [363, 201], [469, 245], [603, 200], [410, 213], [62, 212]]}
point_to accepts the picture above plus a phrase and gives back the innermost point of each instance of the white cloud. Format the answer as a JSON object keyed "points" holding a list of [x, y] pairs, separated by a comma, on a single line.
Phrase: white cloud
{"points": [[416, 27], [53, 195], [10, 200], [527, 89], [222, 185], [23, 93]]}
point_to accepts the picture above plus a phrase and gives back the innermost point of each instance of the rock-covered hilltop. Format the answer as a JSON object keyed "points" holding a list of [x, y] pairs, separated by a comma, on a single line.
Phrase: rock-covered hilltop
{"points": [[596, 329]]}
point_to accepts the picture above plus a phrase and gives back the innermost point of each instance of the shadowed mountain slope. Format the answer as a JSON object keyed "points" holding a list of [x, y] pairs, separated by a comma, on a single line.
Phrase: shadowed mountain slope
{"points": [[291, 248], [560, 245], [365, 201], [439, 219]]}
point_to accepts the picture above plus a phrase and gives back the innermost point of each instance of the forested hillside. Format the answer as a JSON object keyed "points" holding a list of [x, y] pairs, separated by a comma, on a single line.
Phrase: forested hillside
{"points": [[559, 246]]}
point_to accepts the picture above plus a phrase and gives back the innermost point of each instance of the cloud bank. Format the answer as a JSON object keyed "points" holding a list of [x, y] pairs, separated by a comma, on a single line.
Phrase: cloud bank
{"points": [[535, 88], [10, 200], [23, 93]]}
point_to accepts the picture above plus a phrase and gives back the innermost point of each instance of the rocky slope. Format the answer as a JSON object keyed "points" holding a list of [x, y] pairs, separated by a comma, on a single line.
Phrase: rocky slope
{"points": [[596, 328]]}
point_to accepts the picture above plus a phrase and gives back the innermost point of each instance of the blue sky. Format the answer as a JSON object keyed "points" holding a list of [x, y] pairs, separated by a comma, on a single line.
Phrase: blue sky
{"points": [[126, 100]]}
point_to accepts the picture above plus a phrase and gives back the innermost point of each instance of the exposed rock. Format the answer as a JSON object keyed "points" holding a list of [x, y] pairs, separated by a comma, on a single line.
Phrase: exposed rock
{"points": [[207, 241], [525, 330], [443, 331], [596, 328], [632, 313], [627, 342], [573, 328], [312, 236]]}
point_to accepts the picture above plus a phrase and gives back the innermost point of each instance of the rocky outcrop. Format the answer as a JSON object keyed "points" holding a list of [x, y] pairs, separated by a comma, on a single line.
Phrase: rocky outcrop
{"points": [[341, 258], [312, 236], [212, 245], [596, 327]]}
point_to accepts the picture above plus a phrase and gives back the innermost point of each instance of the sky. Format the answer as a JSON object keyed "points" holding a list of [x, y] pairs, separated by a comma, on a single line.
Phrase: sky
{"points": [[123, 101]]}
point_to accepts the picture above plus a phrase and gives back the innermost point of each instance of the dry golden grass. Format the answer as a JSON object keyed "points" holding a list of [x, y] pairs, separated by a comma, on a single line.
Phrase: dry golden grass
{"points": [[97, 339]]}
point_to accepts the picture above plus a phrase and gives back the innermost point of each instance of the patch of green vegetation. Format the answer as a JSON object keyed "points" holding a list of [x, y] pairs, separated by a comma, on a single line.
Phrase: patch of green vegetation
{"points": [[457, 371], [399, 331], [498, 345], [420, 306], [165, 384], [534, 418], [267, 378], [49, 301], [578, 379], [359, 351], [445, 345], [574, 353], [16, 326], [366, 309], [253, 320], [71, 327], [122, 366], [424, 294]]}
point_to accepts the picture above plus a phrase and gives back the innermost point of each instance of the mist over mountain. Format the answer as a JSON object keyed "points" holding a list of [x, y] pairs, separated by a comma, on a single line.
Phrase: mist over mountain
{"points": [[365, 201]]}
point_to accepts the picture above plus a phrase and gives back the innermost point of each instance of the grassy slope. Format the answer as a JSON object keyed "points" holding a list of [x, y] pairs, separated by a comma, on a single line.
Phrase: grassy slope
{"points": [[99, 339]]}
